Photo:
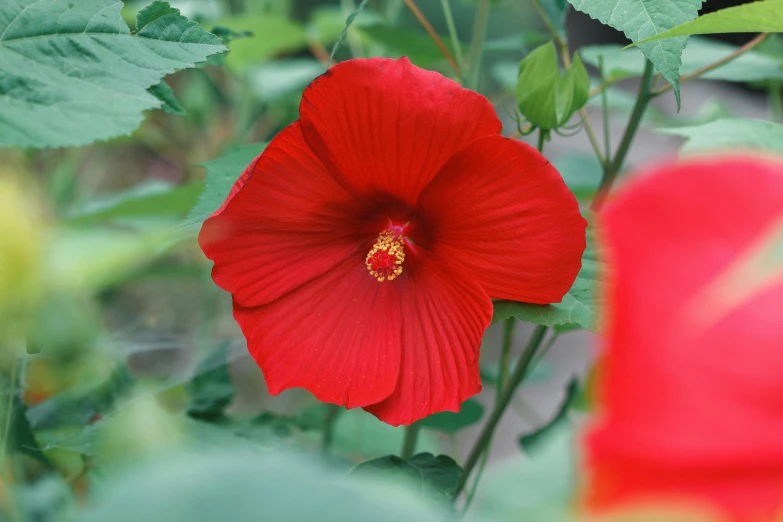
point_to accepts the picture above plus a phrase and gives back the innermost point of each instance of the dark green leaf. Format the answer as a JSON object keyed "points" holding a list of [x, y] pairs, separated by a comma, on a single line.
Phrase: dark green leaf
{"points": [[231, 485], [450, 422], [546, 97], [165, 94], [20, 435], [639, 19], [731, 133], [221, 175], [212, 389], [95, 86], [435, 477], [580, 305], [417, 46], [531, 442], [753, 17]]}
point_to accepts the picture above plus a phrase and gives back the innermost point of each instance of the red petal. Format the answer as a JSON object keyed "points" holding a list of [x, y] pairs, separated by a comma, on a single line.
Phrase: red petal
{"points": [[386, 126], [693, 407], [337, 336], [289, 224], [444, 315], [501, 210]]}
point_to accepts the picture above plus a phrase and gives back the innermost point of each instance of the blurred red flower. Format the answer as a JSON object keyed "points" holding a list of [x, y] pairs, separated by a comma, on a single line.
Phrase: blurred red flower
{"points": [[362, 248], [692, 385]]}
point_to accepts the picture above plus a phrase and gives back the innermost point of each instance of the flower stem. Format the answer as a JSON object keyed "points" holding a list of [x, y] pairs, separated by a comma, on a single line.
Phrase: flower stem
{"points": [[409, 443], [434, 35], [477, 44], [453, 32], [612, 167], [485, 437], [505, 355]]}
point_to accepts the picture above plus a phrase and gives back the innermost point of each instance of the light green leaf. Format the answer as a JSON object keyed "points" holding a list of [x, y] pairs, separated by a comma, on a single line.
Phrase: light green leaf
{"points": [[72, 73], [228, 484], [221, 175], [272, 35], [531, 442], [581, 172], [450, 422], [749, 66], [580, 305], [731, 134], [278, 79], [435, 477], [639, 19], [548, 98], [754, 17]]}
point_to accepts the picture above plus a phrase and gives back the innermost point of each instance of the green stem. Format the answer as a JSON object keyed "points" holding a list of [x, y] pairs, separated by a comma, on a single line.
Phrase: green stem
{"points": [[453, 33], [541, 140], [612, 167], [485, 437], [775, 95], [409, 443], [474, 486], [328, 434], [505, 355], [477, 45], [605, 111]]}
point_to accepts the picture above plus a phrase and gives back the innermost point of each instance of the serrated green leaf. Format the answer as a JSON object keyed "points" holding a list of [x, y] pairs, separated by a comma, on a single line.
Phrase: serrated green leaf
{"points": [[754, 17], [212, 389], [547, 97], [580, 305], [435, 477], [221, 175], [450, 422], [165, 94], [730, 134], [749, 66], [639, 19], [531, 442], [72, 73]]}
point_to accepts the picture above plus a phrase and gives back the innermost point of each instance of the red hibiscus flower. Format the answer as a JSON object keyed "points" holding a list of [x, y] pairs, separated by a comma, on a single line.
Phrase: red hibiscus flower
{"points": [[364, 246], [692, 388]]}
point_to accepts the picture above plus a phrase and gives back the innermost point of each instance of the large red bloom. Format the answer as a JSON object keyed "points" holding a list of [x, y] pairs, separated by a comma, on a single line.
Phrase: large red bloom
{"points": [[692, 389], [362, 248]]}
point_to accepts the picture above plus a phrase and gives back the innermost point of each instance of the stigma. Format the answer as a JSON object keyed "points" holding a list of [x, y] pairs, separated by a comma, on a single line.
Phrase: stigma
{"points": [[384, 261]]}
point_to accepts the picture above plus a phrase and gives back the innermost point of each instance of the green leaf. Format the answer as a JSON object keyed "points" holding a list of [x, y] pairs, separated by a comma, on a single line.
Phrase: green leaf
{"points": [[639, 19], [146, 199], [556, 11], [72, 73], [417, 46], [548, 98], [749, 66], [279, 79], [731, 133], [271, 36], [435, 477], [449, 422], [754, 17], [20, 437], [221, 175], [232, 485], [581, 172], [165, 94], [580, 305], [532, 442], [212, 389]]}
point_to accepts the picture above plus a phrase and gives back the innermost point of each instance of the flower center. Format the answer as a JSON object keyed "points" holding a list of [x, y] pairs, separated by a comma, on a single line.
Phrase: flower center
{"points": [[384, 261]]}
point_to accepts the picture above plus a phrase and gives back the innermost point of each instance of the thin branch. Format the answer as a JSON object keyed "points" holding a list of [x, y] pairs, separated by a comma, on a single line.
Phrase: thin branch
{"points": [[453, 32], [435, 37]]}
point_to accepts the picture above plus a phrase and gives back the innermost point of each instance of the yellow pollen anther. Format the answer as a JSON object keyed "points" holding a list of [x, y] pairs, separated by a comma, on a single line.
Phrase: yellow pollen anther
{"points": [[384, 261]]}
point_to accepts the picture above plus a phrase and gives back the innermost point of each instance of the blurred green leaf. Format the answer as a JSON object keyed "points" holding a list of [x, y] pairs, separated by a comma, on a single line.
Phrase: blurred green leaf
{"points": [[638, 19], [581, 172], [546, 96], [243, 486], [48, 499], [754, 17], [95, 86], [165, 94], [272, 35], [580, 305], [17, 435], [154, 198], [449, 422], [532, 441], [750, 66], [212, 389], [221, 175], [730, 134], [277, 79], [435, 477], [556, 11], [416, 45]]}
